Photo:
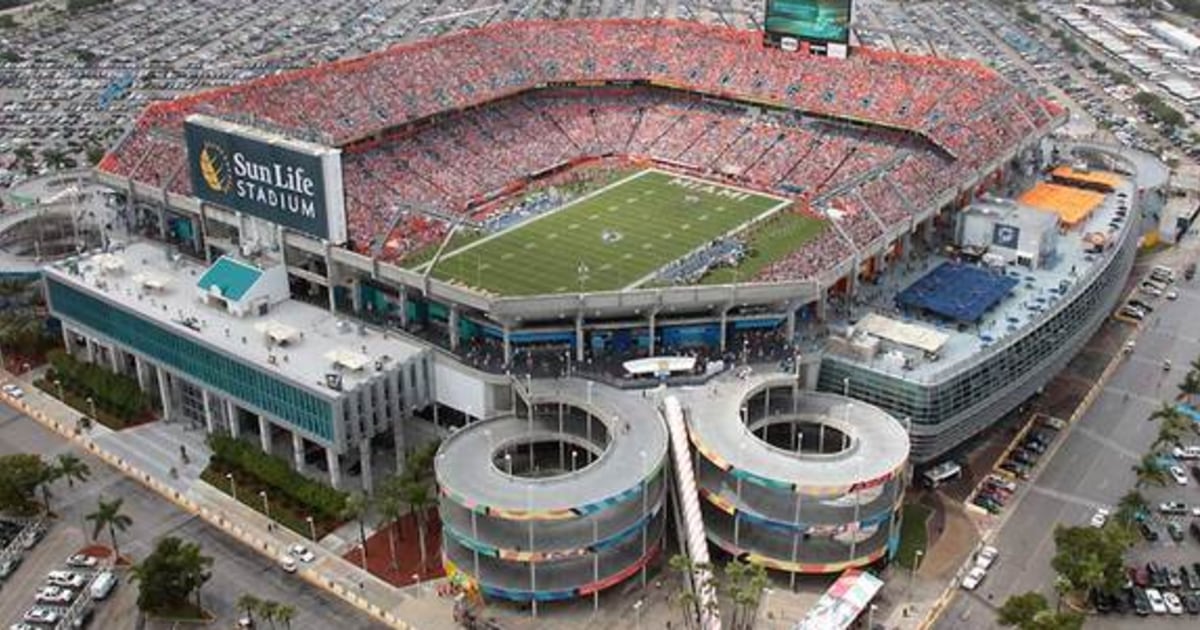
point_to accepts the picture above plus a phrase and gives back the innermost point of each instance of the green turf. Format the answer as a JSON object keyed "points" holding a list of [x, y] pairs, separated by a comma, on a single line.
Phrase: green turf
{"points": [[769, 241], [652, 216], [912, 533]]}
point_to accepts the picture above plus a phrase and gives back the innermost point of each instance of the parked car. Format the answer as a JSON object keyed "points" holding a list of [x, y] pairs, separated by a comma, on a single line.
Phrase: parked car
{"points": [[1157, 605], [1100, 517], [1148, 532], [986, 557], [1174, 605], [1191, 603], [55, 595], [80, 561], [301, 553], [13, 390], [1173, 507], [288, 564], [1141, 603], [1175, 531], [973, 578], [66, 579], [8, 567], [1178, 475], [40, 615]]}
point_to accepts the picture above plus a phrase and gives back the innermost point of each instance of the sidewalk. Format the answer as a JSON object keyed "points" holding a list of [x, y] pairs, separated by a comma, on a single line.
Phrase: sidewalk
{"points": [[148, 452]]}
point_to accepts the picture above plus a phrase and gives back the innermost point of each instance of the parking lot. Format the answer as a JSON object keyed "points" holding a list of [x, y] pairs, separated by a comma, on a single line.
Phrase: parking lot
{"points": [[236, 570]]}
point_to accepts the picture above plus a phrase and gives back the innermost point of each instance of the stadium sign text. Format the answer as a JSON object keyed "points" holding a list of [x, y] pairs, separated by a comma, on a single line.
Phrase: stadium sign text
{"points": [[276, 180], [699, 186]]}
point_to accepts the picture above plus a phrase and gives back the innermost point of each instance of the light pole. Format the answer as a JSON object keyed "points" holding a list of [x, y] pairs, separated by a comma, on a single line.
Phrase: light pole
{"points": [[767, 593], [312, 528], [871, 616], [266, 503], [232, 485], [91, 406], [913, 574], [416, 577], [637, 608], [508, 461], [574, 455], [58, 384]]}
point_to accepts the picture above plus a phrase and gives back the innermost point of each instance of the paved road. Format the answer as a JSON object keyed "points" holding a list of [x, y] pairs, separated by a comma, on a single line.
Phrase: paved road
{"points": [[236, 569], [1093, 468]]}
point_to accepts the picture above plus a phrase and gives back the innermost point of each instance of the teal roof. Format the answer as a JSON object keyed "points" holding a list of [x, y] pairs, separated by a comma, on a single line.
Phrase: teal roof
{"points": [[233, 278]]}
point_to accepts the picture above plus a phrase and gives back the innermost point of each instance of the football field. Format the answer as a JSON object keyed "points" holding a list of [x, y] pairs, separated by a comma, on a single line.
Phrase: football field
{"points": [[614, 238]]}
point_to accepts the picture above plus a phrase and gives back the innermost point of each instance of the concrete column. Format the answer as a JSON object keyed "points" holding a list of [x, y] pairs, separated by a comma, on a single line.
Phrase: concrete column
{"points": [[399, 442], [653, 317], [724, 328], [164, 394], [264, 434], [579, 337], [67, 340], [334, 464], [232, 418], [330, 274], [143, 374], [452, 323], [906, 246], [91, 349], [507, 345], [298, 451], [364, 458], [208, 411], [403, 305], [822, 305], [114, 359], [356, 296], [791, 325]]}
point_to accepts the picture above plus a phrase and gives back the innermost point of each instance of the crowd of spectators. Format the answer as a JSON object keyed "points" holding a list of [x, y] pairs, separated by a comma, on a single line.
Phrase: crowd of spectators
{"points": [[405, 185]]}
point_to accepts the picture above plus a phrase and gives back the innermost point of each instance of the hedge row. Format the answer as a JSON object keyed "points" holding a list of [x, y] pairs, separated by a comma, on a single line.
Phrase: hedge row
{"points": [[276, 473], [114, 393]]}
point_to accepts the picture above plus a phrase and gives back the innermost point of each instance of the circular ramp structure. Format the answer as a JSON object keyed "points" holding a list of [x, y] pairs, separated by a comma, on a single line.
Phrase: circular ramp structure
{"points": [[560, 500], [797, 481]]}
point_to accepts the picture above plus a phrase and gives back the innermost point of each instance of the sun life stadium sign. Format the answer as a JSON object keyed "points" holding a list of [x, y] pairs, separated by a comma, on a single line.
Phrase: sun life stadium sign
{"points": [[291, 183]]}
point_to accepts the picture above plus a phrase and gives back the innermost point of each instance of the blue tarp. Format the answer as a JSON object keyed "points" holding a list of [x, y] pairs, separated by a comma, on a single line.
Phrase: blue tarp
{"points": [[957, 291]]}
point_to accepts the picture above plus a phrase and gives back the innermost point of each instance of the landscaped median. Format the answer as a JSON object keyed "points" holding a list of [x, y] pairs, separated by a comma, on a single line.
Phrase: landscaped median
{"points": [[913, 534], [292, 497]]}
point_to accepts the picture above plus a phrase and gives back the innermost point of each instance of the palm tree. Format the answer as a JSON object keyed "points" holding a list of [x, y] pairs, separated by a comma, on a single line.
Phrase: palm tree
{"points": [[1149, 471], [391, 507], [248, 604], [73, 469], [418, 497], [1166, 411], [108, 515], [284, 614], [268, 610], [1190, 386], [1132, 504], [355, 508], [49, 475]]}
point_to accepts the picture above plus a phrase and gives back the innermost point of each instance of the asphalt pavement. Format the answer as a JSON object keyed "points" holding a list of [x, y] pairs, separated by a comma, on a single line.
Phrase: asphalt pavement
{"points": [[236, 569], [1093, 468]]}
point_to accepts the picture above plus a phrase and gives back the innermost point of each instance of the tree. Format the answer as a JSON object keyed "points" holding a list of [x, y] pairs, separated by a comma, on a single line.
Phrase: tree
{"points": [[267, 610], [1129, 507], [744, 583], [1030, 611], [21, 476], [1149, 471], [1089, 558], [1190, 386], [355, 508], [284, 614], [418, 496], [248, 605], [687, 598], [108, 515], [73, 469], [391, 507], [170, 575]]}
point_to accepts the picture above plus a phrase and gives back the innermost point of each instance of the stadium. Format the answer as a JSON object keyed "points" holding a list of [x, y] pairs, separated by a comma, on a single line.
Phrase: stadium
{"points": [[530, 224]]}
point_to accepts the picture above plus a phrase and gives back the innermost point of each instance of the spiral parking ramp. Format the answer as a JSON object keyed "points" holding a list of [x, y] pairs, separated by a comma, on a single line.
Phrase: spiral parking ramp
{"points": [[797, 481], [560, 500]]}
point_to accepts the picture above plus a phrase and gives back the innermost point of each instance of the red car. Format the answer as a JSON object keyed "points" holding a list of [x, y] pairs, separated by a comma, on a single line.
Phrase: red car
{"points": [[1139, 576]]}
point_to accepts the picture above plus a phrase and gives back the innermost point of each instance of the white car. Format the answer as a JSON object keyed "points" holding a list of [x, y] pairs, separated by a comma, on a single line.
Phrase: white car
{"points": [[66, 579], [55, 595], [1100, 517], [37, 614], [1186, 452], [974, 577], [986, 557], [288, 564], [1173, 507], [1174, 606], [302, 553], [1179, 475], [14, 390], [1156, 601], [1172, 294], [81, 561]]}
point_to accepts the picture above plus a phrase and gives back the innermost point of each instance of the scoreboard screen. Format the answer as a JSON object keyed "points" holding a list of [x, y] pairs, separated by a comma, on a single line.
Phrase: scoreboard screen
{"points": [[826, 21]]}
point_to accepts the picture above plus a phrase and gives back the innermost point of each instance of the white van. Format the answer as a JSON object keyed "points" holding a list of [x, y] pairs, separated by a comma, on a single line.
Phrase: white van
{"points": [[103, 584]]}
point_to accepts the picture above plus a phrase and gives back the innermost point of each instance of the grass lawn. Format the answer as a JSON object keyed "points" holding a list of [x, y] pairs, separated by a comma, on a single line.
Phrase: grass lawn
{"points": [[620, 234], [912, 533], [461, 238], [770, 241]]}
